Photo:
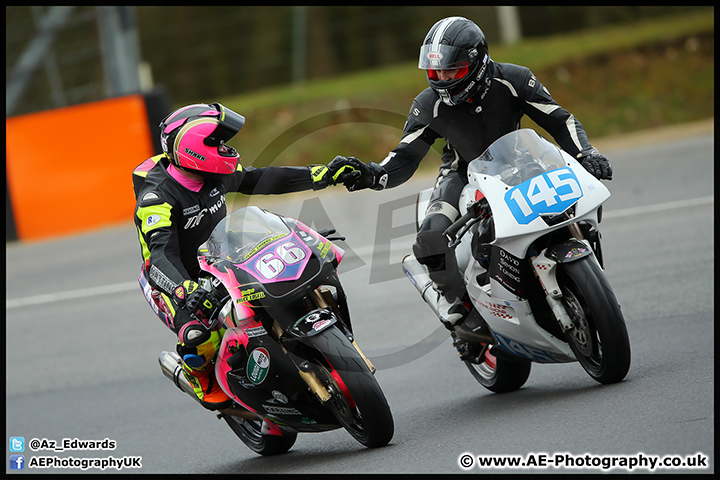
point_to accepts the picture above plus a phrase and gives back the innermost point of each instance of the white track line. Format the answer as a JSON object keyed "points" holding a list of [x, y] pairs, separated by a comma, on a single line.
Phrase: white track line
{"points": [[129, 286]]}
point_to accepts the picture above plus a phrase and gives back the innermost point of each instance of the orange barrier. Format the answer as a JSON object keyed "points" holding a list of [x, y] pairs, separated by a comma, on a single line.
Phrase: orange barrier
{"points": [[69, 170]]}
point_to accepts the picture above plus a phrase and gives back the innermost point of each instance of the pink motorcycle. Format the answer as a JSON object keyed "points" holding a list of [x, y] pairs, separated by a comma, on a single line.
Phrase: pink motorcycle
{"points": [[288, 357]]}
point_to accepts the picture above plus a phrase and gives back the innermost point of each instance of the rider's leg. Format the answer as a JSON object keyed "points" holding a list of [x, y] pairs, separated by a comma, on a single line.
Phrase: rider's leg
{"points": [[431, 248], [196, 346]]}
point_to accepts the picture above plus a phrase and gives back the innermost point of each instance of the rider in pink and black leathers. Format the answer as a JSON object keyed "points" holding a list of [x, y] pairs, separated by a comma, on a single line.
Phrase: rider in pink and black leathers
{"points": [[180, 198]]}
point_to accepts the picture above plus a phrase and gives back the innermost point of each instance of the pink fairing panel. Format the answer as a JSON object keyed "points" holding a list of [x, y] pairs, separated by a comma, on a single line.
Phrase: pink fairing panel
{"points": [[339, 252], [235, 339], [227, 278], [245, 314], [231, 340]]}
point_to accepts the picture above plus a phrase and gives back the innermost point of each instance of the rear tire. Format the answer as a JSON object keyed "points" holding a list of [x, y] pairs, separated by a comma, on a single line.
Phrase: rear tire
{"points": [[250, 432], [599, 340], [500, 375]]}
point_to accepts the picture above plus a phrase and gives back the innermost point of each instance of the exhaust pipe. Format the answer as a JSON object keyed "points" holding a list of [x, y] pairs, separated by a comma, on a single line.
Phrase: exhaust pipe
{"points": [[472, 329], [418, 275], [171, 366]]}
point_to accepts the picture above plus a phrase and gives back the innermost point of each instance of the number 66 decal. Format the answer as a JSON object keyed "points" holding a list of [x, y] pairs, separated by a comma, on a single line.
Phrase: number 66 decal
{"points": [[273, 263], [547, 194]]}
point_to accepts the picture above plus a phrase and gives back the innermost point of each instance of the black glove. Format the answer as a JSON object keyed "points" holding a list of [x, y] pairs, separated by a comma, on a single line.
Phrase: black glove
{"points": [[195, 300], [371, 174], [597, 164], [334, 173]]}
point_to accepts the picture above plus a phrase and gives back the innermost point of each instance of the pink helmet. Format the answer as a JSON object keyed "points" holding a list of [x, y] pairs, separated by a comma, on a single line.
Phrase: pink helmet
{"points": [[194, 137]]}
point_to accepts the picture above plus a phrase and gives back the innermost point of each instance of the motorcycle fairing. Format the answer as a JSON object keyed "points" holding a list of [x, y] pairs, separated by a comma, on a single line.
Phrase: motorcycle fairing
{"points": [[550, 193], [231, 369], [298, 256], [282, 260], [531, 353]]}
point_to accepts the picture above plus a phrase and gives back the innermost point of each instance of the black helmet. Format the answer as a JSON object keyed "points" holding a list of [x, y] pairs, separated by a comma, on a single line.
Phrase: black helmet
{"points": [[455, 43]]}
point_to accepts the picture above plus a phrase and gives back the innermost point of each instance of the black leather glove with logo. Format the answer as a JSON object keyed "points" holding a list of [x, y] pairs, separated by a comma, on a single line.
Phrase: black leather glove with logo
{"points": [[597, 165], [197, 301], [371, 174], [334, 173]]}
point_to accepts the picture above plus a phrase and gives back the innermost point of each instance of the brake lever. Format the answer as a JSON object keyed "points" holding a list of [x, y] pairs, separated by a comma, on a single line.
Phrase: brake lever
{"points": [[327, 231], [464, 230], [476, 212]]}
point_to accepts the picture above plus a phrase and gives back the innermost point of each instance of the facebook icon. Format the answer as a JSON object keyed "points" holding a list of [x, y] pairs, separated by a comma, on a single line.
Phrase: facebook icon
{"points": [[17, 462]]}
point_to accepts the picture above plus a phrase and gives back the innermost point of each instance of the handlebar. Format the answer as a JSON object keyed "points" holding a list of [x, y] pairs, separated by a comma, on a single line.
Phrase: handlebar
{"points": [[460, 222], [476, 212], [329, 231]]}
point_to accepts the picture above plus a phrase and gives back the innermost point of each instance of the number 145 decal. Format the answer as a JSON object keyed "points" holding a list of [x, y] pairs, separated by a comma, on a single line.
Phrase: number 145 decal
{"points": [[548, 194]]}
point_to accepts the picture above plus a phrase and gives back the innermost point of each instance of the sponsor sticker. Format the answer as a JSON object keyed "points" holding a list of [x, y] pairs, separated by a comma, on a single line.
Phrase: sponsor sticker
{"points": [[279, 396], [317, 326], [281, 410], [575, 252], [152, 220], [255, 332], [258, 365]]}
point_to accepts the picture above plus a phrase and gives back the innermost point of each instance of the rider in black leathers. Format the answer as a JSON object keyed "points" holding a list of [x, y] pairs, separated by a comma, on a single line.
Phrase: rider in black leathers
{"points": [[472, 101]]}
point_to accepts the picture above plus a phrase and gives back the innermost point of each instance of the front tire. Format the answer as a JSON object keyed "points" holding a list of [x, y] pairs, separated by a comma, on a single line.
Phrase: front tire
{"points": [[599, 339], [360, 406], [250, 432], [357, 401]]}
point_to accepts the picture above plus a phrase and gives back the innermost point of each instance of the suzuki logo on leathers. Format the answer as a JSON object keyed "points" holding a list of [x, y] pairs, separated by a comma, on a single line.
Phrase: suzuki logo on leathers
{"points": [[194, 221]]}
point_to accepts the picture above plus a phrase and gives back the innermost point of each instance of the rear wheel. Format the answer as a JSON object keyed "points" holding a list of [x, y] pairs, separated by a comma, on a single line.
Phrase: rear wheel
{"points": [[250, 432], [498, 374], [599, 339]]}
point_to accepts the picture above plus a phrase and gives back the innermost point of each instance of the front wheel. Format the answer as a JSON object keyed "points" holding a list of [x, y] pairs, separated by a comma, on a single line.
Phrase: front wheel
{"points": [[250, 432], [357, 401], [599, 339], [360, 406]]}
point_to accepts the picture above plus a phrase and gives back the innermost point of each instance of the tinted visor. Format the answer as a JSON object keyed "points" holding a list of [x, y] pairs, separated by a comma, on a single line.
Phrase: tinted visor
{"points": [[442, 57], [229, 123], [461, 72]]}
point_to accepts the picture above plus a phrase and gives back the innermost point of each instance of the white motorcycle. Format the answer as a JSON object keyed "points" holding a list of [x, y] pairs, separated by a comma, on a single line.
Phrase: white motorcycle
{"points": [[528, 247]]}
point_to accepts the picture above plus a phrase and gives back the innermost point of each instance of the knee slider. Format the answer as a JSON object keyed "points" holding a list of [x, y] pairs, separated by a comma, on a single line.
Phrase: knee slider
{"points": [[192, 334], [195, 345]]}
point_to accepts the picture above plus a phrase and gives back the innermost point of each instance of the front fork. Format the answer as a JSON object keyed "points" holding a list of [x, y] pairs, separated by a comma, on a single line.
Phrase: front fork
{"points": [[323, 299], [545, 269]]}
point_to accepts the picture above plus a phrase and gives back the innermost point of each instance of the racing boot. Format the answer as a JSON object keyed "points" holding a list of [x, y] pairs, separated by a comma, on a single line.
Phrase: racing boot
{"points": [[207, 388], [197, 347], [451, 308]]}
